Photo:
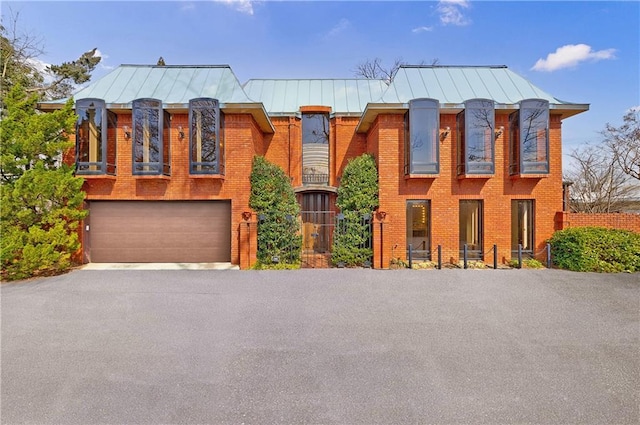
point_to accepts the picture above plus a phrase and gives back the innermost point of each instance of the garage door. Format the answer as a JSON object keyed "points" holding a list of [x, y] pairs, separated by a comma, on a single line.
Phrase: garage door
{"points": [[159, 232]]}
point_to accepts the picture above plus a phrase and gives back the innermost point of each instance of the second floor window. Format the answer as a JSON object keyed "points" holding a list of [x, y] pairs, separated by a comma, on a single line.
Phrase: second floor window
{"points": [[315, 148], [95, 138], [422, 134], [529, 132], [205, 153], [150, 138], [476, 137]]}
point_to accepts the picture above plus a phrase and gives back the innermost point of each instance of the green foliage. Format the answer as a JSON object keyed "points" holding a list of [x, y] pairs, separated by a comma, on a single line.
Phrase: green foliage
{"points": [[29, 137], [69, 74], [398, 263], [358, 189], [40, 199], [596, 249], [357, 198], [527, 263], [275, 266], [40, 214], [273, 199], [19, 50]]}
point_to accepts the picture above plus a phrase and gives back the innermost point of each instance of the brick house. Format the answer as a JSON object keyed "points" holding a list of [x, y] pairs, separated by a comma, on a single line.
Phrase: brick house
{"points": [[468, 157]]}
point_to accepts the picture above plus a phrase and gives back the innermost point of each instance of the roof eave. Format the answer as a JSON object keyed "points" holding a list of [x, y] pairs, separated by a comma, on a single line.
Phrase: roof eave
{"points": [[569, 110], [256, 110]]}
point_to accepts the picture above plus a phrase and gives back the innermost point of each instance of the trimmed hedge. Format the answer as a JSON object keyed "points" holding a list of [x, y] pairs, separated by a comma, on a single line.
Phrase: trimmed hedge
{"points": [[596, 249], [272, 197], [357, 198]]}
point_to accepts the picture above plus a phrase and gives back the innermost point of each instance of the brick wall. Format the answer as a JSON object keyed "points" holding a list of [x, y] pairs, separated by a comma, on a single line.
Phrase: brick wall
{"points": [[242, 139], [625, 221], [386, 141]]}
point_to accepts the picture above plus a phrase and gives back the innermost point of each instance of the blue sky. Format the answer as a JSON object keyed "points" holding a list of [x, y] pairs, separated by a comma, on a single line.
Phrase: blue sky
{"points": [[583, 52]]}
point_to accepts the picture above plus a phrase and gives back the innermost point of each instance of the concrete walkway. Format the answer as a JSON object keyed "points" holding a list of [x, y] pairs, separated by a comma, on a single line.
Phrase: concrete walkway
{"points": [[160, 266]]}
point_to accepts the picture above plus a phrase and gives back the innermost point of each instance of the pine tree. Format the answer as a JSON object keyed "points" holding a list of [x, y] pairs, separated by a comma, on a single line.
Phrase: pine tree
{"points": [[40, 198]]}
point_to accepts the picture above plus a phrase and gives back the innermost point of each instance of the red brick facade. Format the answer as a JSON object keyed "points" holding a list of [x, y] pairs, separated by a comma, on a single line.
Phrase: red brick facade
{"points": [[385, 141], [625, 221], [366, 123]]}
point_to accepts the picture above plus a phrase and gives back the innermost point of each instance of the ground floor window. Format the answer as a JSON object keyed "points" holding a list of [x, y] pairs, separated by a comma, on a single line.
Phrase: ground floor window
{"points": [[522, 226], [471, 223], [419, 229]]}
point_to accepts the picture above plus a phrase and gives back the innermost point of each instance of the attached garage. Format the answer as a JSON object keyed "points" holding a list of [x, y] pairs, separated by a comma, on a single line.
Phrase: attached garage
{"points": [[159, 232]]}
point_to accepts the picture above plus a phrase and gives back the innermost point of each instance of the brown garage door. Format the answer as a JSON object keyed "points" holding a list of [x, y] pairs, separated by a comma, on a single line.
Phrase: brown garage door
{"points": [[159, 232]]}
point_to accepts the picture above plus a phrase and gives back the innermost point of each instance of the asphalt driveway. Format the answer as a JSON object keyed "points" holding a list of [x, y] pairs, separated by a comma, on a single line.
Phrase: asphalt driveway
{"points": [[321, 346]]}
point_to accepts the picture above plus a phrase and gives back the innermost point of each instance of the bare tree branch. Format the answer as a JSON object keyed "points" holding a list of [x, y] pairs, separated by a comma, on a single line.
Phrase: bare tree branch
{"points": [[599, 186], [374, 70], [624, 142]]}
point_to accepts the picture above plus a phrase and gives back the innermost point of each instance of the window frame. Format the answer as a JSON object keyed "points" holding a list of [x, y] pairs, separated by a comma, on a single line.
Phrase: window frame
{"points": [[216, 166], [472, 254], [419, 254], [517, 226], [465, 127], [520, 135], [108, 122], [310, 177], [412, 121], [162, 165]]}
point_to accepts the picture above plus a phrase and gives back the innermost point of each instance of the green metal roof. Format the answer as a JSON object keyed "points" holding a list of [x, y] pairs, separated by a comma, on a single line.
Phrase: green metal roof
{"points": [[450, 85], [171, 84], [455, 84], [346, 96]]}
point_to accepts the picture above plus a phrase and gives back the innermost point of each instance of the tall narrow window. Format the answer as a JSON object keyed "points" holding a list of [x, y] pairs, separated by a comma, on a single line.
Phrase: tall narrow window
{"points": [[476, 137], [150, 137], [522, 226], [204, 136], [529, 128], [315, 148], [422, 137], [419, 229], [471, 229], [95, 138]]}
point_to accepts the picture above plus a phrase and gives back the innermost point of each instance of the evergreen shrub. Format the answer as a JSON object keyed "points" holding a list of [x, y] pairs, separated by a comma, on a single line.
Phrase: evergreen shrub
{"points": [[596, 249], [273, 199], [357, 199]]}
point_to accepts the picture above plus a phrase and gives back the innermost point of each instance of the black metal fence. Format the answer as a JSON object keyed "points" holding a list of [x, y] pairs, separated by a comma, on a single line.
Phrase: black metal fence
{"points": [[468, 255]]}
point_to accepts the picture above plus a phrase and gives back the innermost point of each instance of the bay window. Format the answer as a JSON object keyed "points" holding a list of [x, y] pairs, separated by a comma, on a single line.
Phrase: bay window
{"points": [[529, 132], [422, 137], [476, 137], [205, 154], [95, 138], [150, 138]]}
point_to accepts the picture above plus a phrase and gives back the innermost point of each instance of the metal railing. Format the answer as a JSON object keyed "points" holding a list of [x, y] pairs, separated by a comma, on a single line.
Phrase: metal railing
{"points": [[315, 178]]}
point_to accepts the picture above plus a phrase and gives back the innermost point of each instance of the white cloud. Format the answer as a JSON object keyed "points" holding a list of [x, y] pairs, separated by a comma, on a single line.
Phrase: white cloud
{"points": [[102, 64], [243, 6], [571, 55], [451, 12], [38, 65], [338, 28], [421, 29]]}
